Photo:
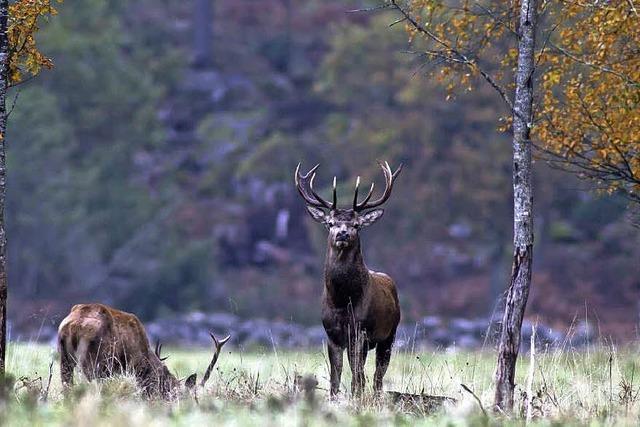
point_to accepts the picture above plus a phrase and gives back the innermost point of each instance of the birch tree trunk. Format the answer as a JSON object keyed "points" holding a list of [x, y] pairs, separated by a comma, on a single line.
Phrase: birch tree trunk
{"points": [[518, 291], [4, 58]]}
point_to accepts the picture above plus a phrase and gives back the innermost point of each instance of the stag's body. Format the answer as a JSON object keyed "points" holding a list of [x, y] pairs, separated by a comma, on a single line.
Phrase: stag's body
{"points": [[360, 308], [104, 342], [360, 312]]}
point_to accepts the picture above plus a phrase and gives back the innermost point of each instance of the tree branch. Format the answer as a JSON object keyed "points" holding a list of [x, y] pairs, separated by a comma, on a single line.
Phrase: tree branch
{"points": [[599, 67], [452, 54]]}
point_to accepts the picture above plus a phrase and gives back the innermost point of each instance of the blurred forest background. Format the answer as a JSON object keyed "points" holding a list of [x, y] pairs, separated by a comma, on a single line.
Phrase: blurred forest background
{"points": [[152, 169]]}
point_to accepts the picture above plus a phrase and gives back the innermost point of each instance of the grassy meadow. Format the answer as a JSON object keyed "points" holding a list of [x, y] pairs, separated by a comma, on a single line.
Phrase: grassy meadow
{"points": [[595, 386]]}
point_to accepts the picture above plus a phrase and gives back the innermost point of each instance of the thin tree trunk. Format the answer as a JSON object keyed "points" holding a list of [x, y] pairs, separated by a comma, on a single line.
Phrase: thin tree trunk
{"points": [[518, 291], [4, 58]]}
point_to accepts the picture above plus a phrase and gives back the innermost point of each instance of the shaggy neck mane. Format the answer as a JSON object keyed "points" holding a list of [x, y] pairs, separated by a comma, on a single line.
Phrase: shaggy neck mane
{"points": [[345, 273]]}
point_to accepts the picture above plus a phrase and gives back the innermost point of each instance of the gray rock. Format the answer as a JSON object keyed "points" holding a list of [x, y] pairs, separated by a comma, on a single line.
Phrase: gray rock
{"points": [[430, 332]]}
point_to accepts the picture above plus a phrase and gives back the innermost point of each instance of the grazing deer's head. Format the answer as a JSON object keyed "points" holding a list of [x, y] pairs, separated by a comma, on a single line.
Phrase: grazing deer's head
{"points": [[344, 224], [167, 383], [162, 379]]}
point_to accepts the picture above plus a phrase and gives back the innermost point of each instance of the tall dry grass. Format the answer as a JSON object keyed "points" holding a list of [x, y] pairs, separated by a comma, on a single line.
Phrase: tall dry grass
{"points": [[598, 385]]}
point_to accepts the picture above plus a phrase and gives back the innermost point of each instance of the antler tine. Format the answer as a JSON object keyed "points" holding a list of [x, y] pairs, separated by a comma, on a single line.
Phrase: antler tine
{"points": [[218, 348], [361, 205], [355, 195], [158, 351], [335, 193], [323, 203], [357, 206], [389, 178], [312, 198], [304, 177], [219, 343], [394, 174], [301, 182]]}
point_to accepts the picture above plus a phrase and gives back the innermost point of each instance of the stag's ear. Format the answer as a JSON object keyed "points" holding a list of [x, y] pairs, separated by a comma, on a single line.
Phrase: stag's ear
{"points": [[317, 214], [370, 217], [190, 382]]}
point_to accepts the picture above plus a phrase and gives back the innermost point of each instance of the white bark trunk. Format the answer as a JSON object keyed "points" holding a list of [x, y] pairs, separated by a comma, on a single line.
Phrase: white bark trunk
{"points": [[4, 57], [518, 291]]}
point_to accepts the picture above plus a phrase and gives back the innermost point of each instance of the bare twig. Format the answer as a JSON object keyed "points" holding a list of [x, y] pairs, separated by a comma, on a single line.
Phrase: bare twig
{"points": [[370, 9], [453, 54], [532, 364], [45, 394], [468, 390], [497, 19], [398, 21], [13, 103], [610, 379]]}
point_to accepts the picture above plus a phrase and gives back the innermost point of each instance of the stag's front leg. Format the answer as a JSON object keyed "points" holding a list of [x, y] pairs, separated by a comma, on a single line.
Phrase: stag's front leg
{"points": [[335, 361], [357, 354]]}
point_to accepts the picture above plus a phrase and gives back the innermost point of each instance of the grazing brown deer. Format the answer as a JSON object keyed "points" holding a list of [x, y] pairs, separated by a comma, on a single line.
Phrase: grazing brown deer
{"points": [[360, 309], [104, 341]]}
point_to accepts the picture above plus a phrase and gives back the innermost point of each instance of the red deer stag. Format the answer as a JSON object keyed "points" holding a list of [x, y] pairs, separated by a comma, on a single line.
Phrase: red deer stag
{"points": [[104, 341], [360, 309]]}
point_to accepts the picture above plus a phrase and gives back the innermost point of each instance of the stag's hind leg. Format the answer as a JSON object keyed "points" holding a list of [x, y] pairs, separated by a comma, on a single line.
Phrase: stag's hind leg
{"points": [[383, 356], [67, 364]]}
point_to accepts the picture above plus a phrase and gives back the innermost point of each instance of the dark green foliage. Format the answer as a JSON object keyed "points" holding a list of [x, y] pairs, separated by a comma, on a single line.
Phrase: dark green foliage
{"points": [[179, 284], [76, 194]]}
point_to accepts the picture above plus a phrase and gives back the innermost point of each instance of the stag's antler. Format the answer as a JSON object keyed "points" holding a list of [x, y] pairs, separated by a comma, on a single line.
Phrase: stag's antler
{"points": [[311, 197], [159, 350], [389, 178], [218, 347]]}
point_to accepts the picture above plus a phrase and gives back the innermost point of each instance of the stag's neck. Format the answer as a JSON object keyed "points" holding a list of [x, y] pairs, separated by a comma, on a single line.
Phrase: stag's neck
{"points": [[153, 377], [154, 362], [150, 367], [346, 275]]}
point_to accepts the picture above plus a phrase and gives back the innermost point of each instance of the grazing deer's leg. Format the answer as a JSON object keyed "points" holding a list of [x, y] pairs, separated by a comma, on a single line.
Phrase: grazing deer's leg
{"points": [[357, 354], [67, 365], [84, 359], [383, 355], [335, 361]]}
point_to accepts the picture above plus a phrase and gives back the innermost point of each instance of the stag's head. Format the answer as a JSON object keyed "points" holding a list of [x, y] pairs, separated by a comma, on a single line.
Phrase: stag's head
{"points": [[344, 223], [160, 380]]}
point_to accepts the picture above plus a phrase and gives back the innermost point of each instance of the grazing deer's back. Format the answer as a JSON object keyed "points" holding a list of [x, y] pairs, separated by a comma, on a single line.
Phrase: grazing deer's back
{"points": [[89, 321], [130, 330], [120, 332]]}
